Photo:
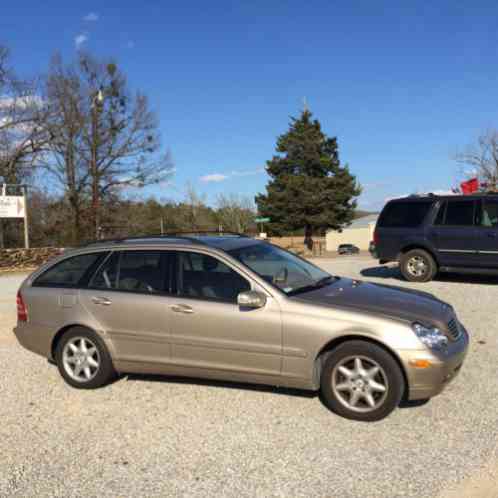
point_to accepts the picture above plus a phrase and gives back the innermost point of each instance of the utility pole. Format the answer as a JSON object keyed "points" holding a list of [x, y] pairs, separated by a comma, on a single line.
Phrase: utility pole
{"points": [[26, 217], [97, 101]]}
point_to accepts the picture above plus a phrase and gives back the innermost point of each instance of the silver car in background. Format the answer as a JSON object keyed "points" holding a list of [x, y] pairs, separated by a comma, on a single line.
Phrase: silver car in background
{"points": [[234, 308]]}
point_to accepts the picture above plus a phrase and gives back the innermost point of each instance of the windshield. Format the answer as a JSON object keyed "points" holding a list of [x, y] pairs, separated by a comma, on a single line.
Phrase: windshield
{"points": [[289, 273]]}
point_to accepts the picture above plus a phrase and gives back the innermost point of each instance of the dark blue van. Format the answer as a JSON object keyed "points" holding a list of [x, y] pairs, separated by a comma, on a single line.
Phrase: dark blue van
{"points": [[427, 234]]}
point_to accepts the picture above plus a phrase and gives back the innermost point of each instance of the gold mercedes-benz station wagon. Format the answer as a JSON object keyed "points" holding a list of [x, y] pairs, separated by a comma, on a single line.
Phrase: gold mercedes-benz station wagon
{"points": [[234, 308]]}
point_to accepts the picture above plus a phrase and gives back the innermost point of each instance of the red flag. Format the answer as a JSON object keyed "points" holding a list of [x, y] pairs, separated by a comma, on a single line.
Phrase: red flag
{"points": [[470, 186]]}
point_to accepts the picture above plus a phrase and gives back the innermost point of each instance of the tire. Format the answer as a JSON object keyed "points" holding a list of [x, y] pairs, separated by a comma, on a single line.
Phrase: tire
{"points": [[337, 389], [74, 363], [417, 265]]}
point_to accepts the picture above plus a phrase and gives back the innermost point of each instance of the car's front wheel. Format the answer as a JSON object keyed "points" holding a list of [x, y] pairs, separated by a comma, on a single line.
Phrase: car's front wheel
{"points": [[361, 381], [83, 359]]}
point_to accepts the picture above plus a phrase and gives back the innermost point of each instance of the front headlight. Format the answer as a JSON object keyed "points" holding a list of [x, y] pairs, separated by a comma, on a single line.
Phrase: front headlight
{"points": [[432, 337]]}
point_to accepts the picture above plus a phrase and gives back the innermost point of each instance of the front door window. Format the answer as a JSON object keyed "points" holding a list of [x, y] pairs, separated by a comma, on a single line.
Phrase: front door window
{"points": [[204, 277]]}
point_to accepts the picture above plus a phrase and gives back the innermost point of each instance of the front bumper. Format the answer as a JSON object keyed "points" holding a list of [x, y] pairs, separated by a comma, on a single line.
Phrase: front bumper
{"points": [[424, 383]]}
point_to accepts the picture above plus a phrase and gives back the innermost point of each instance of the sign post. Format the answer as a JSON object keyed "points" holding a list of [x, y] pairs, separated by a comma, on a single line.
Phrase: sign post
{"points": [[260, 220], [16, 206]]}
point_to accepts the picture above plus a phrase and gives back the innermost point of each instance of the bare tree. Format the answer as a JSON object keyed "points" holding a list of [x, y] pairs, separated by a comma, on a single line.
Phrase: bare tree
{"points": [[65, 126], [195, 203], [103, 138], [235, 213], [122, 143], [22, 135], [482, 158]]}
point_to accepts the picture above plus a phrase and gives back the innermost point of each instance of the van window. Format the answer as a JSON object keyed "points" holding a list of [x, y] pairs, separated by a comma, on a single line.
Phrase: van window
{"points": [[69, 272], [489, 214], [459, 213], [406, 214]]}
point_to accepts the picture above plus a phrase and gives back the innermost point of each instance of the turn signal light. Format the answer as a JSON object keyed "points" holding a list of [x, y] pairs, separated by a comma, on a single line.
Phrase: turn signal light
{"points": [[420, 363]]}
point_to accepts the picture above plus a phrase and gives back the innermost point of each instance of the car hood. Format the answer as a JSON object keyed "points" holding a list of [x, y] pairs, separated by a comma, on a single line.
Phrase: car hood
{"points": [[391, 301]]}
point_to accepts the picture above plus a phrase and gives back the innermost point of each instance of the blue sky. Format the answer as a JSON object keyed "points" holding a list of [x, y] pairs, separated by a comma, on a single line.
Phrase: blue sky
{"points": [[403, 85]]}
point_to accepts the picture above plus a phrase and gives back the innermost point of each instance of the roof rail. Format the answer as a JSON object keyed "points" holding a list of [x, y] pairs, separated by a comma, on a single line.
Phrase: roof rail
{"points": [[190, 236], [206, 232], [121, 240]]}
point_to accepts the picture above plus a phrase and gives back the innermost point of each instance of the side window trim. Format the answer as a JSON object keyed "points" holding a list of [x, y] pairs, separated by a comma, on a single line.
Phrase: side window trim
{"points": [[91, 276], [478, 213], [441, 208], [96, 272]]}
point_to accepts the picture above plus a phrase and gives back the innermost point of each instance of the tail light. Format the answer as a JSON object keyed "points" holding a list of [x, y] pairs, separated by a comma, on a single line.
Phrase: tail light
{"points": [[376, 237], [22, 311]]}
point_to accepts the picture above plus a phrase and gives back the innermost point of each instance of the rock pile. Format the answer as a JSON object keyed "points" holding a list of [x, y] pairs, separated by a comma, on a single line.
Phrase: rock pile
{"points": [[26, 259]]}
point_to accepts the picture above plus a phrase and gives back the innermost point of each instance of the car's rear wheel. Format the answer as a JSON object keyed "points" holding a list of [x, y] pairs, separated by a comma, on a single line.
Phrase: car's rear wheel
{"points": [[418, 265], [361, 381], [83, 359]]}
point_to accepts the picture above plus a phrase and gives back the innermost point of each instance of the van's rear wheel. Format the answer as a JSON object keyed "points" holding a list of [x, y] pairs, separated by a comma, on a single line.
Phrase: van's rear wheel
{"points": [[83, 359], [361, 381], [418, 265]]}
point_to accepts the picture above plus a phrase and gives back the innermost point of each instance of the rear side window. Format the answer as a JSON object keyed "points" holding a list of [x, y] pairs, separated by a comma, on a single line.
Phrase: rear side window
{"points": [[404, 214], [459, 213], [132, 271], [69, 272], [489, 213]]}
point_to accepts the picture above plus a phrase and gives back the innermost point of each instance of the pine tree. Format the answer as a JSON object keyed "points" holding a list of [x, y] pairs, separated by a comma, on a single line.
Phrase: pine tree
{"points": [[308, 187]]}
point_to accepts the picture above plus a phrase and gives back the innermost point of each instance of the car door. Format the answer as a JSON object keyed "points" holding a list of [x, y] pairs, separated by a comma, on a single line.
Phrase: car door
{"points": [[453, 233], [129, 297], [487, 232], [211, 332]]}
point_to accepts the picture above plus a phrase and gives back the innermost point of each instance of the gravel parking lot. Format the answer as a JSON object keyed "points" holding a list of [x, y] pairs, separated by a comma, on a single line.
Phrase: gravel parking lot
{"points": [[145, 436]]}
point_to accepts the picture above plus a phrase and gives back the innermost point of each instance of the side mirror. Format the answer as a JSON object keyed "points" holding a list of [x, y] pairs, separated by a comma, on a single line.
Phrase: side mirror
{"points": [[251, 299]]}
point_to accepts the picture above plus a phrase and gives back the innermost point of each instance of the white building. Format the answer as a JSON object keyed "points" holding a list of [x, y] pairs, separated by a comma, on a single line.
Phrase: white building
{"points": [[359, 233]]}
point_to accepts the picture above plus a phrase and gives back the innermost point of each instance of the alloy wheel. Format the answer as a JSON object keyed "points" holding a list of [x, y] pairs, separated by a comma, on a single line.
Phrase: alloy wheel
{"points": [[360, 384], [81, 359]]}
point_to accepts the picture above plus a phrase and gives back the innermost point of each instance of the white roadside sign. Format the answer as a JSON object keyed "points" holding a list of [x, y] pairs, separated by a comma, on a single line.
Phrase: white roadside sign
{"points": [[12, 206]]}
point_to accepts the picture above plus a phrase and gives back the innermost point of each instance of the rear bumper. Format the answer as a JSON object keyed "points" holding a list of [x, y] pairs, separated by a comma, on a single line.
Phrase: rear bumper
{"points": [[34, 338], [424, 383]]}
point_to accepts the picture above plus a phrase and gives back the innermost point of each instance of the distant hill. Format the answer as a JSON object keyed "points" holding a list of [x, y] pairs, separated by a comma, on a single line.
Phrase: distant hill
{"points": [[360, 214]]}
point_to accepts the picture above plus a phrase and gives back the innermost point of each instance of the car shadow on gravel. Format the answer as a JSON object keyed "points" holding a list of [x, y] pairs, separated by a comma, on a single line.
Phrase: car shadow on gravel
{"points": [[392, 272], [287, 391]]}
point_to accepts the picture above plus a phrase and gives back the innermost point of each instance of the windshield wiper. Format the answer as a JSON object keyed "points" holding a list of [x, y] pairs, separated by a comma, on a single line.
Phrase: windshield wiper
{"points": [[321, 282], [324, 281]]}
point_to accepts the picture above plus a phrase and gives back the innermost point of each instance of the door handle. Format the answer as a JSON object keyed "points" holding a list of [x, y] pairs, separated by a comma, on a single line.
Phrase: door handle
{"points": [[181, 308], [104, 301]]}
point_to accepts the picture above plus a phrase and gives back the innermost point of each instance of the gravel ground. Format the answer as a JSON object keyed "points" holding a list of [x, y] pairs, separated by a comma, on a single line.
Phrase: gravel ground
{"points": [[154, 436]]}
